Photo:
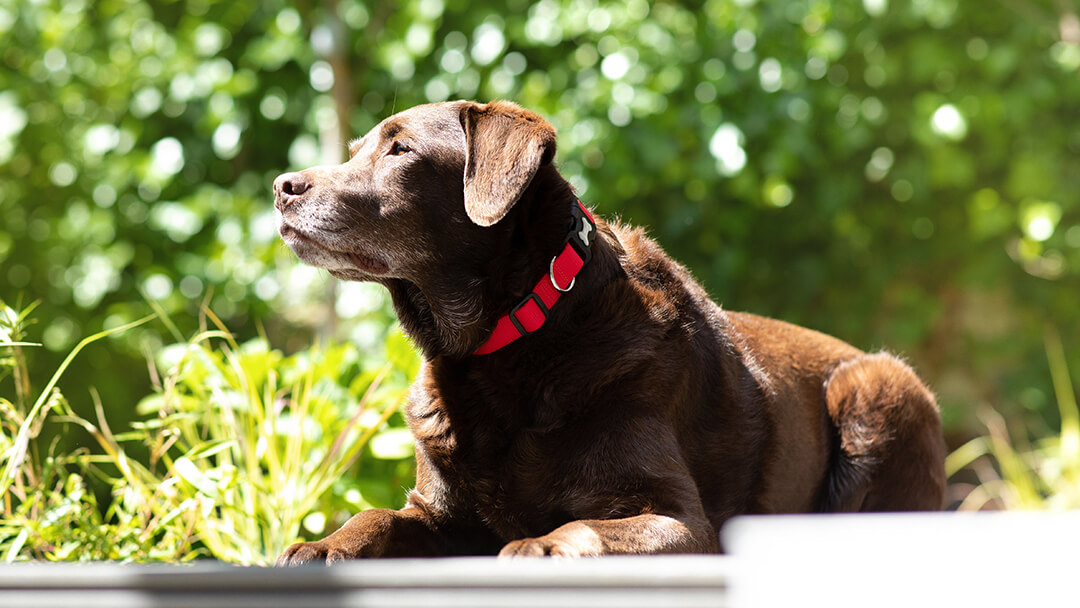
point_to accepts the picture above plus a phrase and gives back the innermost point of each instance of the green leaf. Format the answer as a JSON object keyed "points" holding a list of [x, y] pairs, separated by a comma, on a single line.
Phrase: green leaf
{"points": [[190, 472]]}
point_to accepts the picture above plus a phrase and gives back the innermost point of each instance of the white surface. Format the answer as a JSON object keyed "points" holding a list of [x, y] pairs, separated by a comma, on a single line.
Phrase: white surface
{"points": [[933, 559]]}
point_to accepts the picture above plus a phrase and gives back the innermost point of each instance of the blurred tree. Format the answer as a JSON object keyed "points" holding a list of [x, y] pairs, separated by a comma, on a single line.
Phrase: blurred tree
{"points": [[900, 174]]}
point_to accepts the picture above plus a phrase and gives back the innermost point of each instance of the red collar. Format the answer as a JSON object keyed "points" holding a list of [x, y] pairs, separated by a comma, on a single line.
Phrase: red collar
{"points": [[531, 312]]}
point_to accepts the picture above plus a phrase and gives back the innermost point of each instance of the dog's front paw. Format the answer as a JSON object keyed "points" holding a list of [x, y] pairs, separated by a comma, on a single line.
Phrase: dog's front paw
{"points": [[539, 547], [306, 553]]}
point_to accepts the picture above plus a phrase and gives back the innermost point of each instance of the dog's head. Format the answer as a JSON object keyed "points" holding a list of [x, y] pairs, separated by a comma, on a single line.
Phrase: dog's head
{"points": [[417, 193]]}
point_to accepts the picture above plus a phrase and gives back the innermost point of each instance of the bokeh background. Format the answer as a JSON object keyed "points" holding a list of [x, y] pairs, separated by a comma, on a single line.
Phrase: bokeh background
{"points": [[901, 174]]}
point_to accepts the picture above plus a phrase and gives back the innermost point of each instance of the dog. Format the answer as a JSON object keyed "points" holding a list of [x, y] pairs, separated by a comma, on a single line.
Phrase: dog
{"points": [[580, 394]]}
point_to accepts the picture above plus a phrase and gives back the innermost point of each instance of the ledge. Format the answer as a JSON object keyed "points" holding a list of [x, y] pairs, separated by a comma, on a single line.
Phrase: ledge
{"points": [[936, 559], [461, 582]]}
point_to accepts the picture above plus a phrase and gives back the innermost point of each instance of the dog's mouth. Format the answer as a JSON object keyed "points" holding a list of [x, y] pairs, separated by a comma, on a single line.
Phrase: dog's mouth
{"points": [[368, 264], [315, 253]]}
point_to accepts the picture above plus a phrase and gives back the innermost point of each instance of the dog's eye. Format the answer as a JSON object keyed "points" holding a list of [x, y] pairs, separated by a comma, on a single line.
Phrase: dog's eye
{"points": [[397, 149]]}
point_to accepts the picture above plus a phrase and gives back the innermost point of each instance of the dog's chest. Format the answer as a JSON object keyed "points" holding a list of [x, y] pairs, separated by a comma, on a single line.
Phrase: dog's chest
{"points": [[521, 481]]}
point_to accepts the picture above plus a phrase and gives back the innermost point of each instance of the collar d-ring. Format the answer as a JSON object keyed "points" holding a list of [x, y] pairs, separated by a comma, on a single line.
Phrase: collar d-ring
{"points": [[554, 283]]}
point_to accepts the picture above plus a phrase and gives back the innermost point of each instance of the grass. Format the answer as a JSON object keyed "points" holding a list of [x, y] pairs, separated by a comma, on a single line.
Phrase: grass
{"points": [[1016, 474], [244, 451]]}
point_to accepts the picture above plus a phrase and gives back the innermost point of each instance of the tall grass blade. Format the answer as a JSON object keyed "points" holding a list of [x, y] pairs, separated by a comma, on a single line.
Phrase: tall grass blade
{"points": [[1066, 399], [966, 454], [1014, 470], [23, 436]]}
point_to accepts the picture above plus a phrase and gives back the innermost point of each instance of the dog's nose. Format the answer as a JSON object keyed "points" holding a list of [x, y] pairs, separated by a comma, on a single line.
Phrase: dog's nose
{"points": [[288, 187]]}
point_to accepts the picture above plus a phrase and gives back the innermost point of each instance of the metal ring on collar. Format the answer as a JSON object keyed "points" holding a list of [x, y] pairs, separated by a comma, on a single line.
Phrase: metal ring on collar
{"points": [[554, 283]]}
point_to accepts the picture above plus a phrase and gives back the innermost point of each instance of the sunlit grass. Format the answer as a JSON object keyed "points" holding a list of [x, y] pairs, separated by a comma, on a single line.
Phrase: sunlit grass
{"points": [[1017, 475], [241, 445]]}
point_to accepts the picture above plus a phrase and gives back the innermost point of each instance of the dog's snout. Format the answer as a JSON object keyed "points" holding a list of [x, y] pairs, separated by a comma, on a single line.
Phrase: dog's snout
{"points": [[289, 186]]}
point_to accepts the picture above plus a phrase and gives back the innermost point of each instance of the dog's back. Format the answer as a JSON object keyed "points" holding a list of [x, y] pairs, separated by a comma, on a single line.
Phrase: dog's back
{"points": [[831, 427]]}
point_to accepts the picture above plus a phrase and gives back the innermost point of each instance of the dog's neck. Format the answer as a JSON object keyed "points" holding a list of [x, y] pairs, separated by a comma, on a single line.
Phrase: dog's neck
{"points": [[530, 313], [470, 301]]}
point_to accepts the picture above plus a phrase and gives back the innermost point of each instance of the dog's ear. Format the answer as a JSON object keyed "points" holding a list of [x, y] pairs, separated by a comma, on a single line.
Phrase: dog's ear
{"points": [[505, 145]]}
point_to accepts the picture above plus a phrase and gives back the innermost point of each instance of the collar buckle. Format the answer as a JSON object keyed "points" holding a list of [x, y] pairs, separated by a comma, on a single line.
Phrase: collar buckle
{"points": [[532, 297]]}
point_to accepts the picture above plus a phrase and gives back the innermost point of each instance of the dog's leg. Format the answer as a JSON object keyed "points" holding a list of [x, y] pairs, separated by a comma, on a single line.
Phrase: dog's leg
{"points": [[409, 532], [889, 454], [647, 533]]}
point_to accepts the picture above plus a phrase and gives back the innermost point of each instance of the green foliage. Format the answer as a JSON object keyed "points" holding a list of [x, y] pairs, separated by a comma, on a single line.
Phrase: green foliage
{"points": [[238, 448], [1045, 475], [899, 174]]}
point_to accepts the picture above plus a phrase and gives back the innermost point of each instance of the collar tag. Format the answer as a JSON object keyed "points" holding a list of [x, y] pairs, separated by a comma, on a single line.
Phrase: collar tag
{"points": [[582, 232]]}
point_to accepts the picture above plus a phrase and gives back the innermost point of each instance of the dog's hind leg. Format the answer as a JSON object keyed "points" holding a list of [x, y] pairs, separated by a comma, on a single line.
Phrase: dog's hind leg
{"points": [[888, 452]]}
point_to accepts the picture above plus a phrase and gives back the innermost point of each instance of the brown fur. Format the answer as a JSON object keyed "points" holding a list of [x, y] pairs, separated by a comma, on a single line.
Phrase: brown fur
{"points": [[639, 418]]}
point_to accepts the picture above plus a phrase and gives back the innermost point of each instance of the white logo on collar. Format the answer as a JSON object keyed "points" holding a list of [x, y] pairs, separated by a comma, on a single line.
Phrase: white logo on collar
{"points": [[585, 232]]}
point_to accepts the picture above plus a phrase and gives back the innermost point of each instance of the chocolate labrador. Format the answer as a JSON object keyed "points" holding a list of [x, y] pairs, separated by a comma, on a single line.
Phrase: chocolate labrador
{"points": [[580, 393]]}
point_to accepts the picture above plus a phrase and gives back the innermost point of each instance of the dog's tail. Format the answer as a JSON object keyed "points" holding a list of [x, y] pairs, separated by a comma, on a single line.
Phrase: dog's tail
{"points": [[887, 453]]}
